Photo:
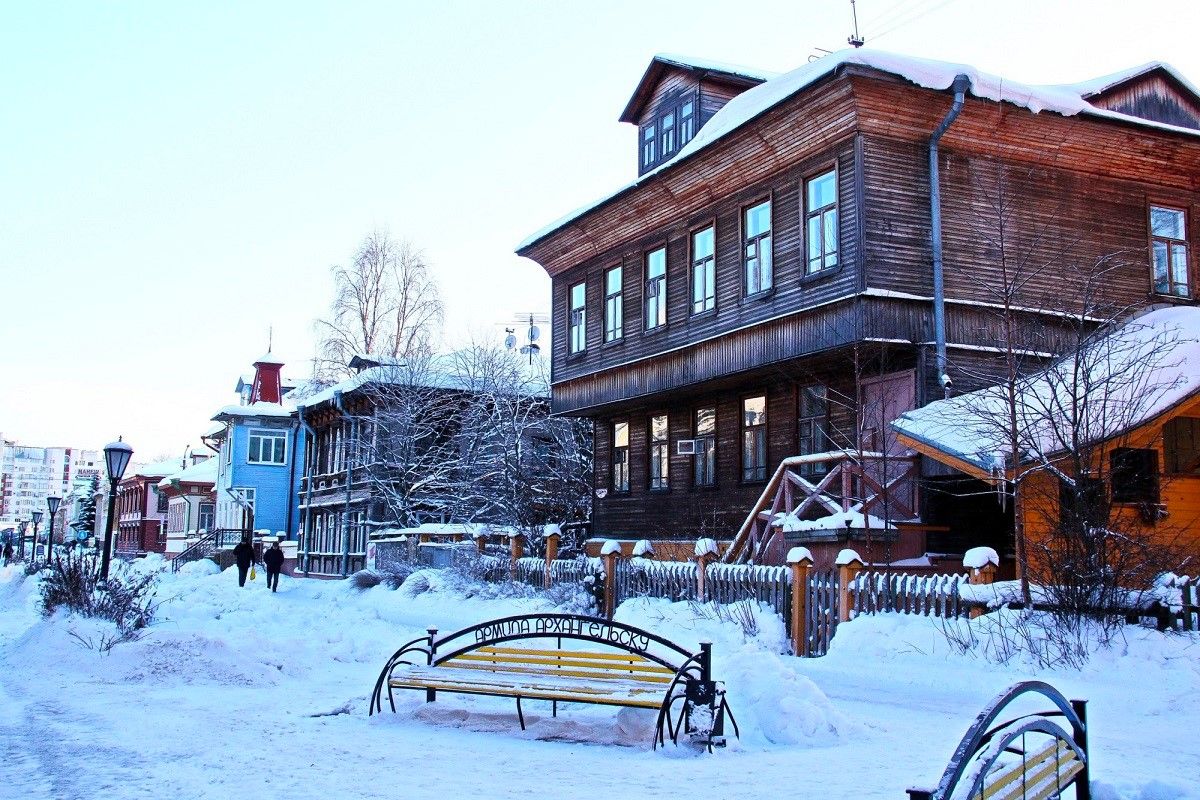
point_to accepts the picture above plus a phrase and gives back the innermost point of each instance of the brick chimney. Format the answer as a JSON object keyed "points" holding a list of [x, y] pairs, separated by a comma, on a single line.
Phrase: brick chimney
{"points": [[266, 387]]}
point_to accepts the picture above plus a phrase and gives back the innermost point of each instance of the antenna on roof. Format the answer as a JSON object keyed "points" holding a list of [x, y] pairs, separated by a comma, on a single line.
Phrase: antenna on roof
{"points": [[270, 336], [854, 40]]}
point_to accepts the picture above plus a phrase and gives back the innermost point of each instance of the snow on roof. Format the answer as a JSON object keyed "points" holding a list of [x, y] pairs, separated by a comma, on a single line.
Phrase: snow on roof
{"points": [[204, 472], [688, 62], [254, 410], [268, 358], [216, 429], [157, 469], [1130, 375], [459, 371], [1095, 86], [1066, 100]]}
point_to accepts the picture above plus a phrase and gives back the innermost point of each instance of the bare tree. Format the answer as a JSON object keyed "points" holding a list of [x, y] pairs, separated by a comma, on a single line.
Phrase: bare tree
{"points": [[386, 303]]}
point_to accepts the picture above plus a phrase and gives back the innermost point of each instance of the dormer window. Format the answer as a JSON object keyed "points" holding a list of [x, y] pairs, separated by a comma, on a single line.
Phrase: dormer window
{"points": [[671, 127]]}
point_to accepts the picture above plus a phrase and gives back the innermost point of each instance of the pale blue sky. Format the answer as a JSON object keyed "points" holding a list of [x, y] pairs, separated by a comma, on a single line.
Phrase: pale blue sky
{"points": [[200, 166]]}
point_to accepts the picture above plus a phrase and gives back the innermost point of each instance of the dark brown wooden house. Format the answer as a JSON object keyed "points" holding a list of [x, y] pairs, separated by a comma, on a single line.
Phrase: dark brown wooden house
{"points": [[765, 289]]}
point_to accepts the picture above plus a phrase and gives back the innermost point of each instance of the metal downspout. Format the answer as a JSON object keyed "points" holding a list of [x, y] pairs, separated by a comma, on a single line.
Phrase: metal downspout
{"points": [[337, 402], [305, 517], [962, 82]]}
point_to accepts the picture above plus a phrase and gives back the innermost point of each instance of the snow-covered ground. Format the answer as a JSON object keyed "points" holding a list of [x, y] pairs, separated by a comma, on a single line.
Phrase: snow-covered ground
{"points": [[245, 693]]}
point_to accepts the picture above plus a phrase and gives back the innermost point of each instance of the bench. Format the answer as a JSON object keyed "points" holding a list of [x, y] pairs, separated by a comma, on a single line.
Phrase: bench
{"points": [[1030, 757], [524, 657]]}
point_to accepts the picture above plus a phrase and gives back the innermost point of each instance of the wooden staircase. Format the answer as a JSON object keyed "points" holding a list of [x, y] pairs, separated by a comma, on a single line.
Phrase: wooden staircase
{"points": [[854, 482]]}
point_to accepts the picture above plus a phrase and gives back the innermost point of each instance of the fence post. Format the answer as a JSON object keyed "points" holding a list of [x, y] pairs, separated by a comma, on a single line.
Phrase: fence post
{"points": [[481, 541], [982, 561], [706, 551], [516, 549], [849, 564], [800, 560], [551, 551], [609, 554]]}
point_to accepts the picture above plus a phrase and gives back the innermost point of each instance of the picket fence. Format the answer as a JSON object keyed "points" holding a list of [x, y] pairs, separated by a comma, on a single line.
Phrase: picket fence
{"points": [[823, 603]]}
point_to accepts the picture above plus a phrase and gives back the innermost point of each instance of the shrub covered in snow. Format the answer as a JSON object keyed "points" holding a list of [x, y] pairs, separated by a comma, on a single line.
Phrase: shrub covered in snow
{"points": [[126, 598]]}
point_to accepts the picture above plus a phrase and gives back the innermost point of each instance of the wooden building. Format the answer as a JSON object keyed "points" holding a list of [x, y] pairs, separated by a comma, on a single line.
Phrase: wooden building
{"points": [[766, 287]]}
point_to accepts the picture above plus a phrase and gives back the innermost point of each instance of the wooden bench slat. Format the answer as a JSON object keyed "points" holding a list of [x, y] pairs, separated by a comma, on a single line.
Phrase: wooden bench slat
{"points": [[595, 675], [1017, 778], [551, 661], [567, 691]]}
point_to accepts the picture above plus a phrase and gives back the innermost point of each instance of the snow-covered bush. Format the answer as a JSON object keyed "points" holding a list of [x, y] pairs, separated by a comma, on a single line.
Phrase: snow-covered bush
{"points": [[126, 598]]}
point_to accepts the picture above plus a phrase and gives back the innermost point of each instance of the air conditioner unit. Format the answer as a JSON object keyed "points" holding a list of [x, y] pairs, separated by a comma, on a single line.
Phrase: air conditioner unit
{"points": [[685, 447]]}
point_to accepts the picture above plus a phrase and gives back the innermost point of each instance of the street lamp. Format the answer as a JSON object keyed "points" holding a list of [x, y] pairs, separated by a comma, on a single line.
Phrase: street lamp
{"points": [[116, 458], [36, 518], [52, 507]]}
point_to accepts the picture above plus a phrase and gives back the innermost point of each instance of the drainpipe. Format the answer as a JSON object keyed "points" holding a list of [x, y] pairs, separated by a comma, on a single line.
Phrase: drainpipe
{"points": [[337, 402], [305, 517], [962, 82]]}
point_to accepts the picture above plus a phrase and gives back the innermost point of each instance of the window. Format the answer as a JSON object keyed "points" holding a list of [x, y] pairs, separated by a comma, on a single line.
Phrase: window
{"points": [[613, 311], [267, 447], [1168, 243], [1134, 475], [206, 517], [666, 134], [754, 438], [687, 121], [620, 457], [578, 324], [704, 286], [814, 426], [1081, 506], [163, 502], [1181, 446], [756, 247], [706, 447], [821, 222], [656, 288], [660, 452], [649, 153]]}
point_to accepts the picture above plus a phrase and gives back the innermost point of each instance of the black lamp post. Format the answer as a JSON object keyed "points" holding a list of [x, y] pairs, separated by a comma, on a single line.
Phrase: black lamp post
{"points": [[52, 507], [116, 458], [36, 518], [21, 526]]}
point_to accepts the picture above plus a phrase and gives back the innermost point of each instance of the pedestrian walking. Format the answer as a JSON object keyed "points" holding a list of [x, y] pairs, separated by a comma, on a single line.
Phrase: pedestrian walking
{"points": [[273, 560], [243, 554], [7, 553]]}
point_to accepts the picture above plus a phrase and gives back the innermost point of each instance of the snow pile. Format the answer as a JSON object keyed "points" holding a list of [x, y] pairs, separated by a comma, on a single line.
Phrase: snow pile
{"points": [[610, 546], [798, 554], [980, 557], [642, 548], [706, 547], [839, 521]]}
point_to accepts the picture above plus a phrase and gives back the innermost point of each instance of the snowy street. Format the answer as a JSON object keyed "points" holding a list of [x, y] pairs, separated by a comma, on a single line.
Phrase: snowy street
{"points": [[241, 693]]}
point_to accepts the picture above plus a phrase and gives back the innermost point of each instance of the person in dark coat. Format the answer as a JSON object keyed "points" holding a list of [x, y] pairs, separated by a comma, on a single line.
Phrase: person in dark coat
{"points": [[243, 554], [273, 560], [7, 553]]}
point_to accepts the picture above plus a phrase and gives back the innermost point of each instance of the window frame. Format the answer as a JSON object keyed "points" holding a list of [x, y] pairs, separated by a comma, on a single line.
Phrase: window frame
{"points": [[659, 481], [653, 140], [710, 307], [275, 434], [621, 486], [660, 294], [572, 326], [806, 214], [817, 425], [760, 432], [1130, 493], [649, 144], [1170, 244], [614, 301], [712, 439], [744, 242]]}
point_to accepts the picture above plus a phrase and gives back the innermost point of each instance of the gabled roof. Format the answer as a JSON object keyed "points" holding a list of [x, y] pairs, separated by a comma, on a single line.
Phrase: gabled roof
{"points": [[1130, 377], [260, 410], [1066, 100], [204, 472], [664, 62], [1098, 86]]}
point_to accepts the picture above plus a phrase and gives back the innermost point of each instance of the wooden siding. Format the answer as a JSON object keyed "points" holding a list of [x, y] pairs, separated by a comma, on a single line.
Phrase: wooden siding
{"points": [[1155, 96], [675, 83]]}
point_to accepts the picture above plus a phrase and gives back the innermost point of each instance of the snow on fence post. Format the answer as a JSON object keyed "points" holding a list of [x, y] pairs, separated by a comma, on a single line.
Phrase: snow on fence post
{"points": [[706, 551], [982, 562], [849, 564], [801, 561], [480, 535], [551, 534], [609, 554]]}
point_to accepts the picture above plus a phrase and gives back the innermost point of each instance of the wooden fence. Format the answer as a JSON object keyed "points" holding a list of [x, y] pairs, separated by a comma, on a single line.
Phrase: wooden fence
{"points": [[1189, 611], [927, 595]]}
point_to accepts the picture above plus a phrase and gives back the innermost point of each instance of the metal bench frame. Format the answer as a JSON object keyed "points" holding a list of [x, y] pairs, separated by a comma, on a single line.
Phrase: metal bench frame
{"points": [[1001, 738], [690, 689]]}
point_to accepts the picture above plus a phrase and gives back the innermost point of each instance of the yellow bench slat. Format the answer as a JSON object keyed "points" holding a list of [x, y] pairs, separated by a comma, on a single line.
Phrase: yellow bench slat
{"points": [[1012, 780], [562, 660], [595, 675]]}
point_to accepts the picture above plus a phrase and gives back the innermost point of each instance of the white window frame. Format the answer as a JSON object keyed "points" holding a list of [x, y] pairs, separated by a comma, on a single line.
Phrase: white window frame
{"points": [[261, 434]]}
